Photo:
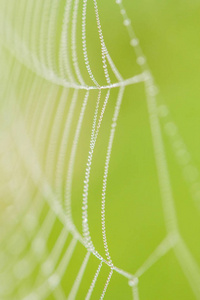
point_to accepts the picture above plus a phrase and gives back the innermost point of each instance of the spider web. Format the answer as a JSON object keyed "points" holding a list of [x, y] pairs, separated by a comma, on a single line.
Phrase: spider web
{"points": [[40, 140]]}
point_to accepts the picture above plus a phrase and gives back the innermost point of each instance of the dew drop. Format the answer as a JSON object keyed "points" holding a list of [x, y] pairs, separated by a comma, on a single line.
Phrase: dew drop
{"points": [[134, 42], [141, 60], [134, 281], [127, 22]]}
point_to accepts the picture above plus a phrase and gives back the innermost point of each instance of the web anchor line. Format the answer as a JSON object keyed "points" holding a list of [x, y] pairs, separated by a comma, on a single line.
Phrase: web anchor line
{"points": [[180, 248]]}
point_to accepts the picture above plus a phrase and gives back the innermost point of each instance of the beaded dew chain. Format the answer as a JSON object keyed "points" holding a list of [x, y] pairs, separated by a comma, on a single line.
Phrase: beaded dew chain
{"points": [[56, 112]]}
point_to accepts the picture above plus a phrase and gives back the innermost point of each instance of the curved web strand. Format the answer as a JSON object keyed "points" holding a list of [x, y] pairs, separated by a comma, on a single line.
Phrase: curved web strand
{"points": [[53, 273], [51, 260], [45, 189], [85, 226], [108, 156], [51, 33], [45, 231], [37, 18], [23, 54], [62, 266], [31, 109], [63, 147], [113, 66], [68, 188], [33, 129], [64, 61], [45, 118], [106, 285], [104, 51], [73, 43], [36, 131], [14, 72], [24, 259], [33, 167], [103, 48], [92, 286], [44, 39], [95, 130], [79, 277], [39, 67], [55, 130], [53, 281], [84, 44], [10, 246], [49, 224], [37, 250]]}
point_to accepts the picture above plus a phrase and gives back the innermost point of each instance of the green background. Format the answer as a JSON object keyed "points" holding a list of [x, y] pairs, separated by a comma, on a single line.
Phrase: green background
{"points": [[169, 36]]}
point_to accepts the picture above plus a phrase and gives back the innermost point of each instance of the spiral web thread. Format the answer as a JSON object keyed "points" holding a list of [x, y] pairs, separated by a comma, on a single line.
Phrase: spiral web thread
{"points": [[34, 233]]}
